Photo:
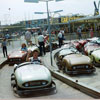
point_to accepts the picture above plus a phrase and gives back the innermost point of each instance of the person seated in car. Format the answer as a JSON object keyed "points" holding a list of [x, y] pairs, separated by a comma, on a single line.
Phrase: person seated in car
{"points": [[35, 59], [23, 47]]}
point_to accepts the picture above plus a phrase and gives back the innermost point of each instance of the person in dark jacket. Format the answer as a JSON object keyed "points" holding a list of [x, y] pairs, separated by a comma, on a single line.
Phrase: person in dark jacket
{"points": [[4, 47]]}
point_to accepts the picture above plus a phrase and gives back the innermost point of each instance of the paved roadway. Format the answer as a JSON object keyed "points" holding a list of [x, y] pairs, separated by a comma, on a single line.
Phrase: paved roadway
{"points": [[63, 91]]}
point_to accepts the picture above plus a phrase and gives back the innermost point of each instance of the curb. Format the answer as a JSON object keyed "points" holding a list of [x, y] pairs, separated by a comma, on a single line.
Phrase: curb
{"points": [[77, 85], [3, 63]]}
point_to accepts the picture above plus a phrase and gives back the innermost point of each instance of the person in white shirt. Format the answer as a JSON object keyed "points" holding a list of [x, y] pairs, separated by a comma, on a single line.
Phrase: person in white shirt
{"points": [[60, 40], [41, 44], [35, 59], [28, 36]]}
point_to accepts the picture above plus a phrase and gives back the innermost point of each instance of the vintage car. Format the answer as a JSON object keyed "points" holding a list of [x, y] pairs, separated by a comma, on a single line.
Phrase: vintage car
{"points": [[29, 78], [17, 57], [83, 42], [54, 46], [71, 61], [77, 45], [53, 38], [90, 46], [93, 39], [33, 47], [95, 56]]}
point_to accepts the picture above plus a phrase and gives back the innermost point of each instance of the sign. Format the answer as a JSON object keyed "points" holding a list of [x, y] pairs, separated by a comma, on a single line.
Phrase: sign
{"points": [[64, 19], [34, 1]]}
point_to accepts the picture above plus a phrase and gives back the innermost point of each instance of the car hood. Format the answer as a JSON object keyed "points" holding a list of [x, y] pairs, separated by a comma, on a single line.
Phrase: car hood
{"points": [[32, 72], [17, 54], [75, 59]]}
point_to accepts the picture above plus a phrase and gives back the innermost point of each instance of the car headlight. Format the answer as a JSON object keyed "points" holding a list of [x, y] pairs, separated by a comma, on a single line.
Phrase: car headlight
{"points": [[43, 83], [19, 59], [74, 67], [26, 84], [10, 59], [86, 66]]}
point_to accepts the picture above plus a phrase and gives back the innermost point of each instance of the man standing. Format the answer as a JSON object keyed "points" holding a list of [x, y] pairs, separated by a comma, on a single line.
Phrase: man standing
{"points": [[41, 44], [4, 47], [60, 40], [28, 36]]}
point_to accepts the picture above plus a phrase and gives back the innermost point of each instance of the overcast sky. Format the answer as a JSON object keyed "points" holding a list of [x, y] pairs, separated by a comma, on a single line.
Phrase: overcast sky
{"points": [[20, 10]]}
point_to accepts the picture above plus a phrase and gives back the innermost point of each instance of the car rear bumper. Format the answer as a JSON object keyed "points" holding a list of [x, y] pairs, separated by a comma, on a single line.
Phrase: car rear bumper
{"points": [[88, 71]]}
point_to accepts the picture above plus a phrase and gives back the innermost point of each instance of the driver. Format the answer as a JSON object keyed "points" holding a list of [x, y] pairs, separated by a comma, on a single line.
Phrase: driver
{"points": [[35, 59]]}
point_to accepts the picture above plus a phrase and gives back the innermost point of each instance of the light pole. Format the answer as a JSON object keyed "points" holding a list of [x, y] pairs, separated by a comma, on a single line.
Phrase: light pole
{"points": [[48, 18], [9, 16]]}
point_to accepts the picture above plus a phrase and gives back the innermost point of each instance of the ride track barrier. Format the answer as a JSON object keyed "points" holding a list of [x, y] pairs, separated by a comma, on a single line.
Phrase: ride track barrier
{"points": [[93, 92], [2, 64]]}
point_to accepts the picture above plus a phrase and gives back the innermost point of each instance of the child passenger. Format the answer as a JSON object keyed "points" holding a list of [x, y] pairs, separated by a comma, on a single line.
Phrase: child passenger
{"points": [[23, 47], [35, 59]]}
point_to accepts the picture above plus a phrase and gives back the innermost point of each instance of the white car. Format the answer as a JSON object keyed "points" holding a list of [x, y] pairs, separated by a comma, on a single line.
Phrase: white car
{"points": [[29, 78], [33, 47]]}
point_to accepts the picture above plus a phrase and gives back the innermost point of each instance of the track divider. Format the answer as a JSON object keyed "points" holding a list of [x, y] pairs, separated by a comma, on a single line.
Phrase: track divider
{"points": [[77, 85]]}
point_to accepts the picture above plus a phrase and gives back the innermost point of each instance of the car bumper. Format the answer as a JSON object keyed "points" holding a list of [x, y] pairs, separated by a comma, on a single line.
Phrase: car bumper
{"points": [[24, 92], [81, 71], [15, 61]]}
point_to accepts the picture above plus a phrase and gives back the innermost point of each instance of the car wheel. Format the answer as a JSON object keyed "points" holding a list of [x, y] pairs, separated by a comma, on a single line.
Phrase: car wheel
{"points": [[13, 84], [12, 76]]}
